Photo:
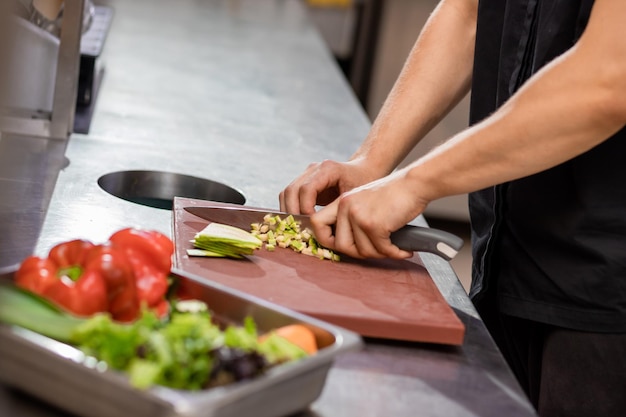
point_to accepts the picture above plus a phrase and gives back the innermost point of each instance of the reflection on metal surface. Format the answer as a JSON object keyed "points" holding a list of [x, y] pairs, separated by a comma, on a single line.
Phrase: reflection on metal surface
{"points": [[48, 14], [158, 189], [29, 167], [31, 69], [59, 91], [7, 46]]}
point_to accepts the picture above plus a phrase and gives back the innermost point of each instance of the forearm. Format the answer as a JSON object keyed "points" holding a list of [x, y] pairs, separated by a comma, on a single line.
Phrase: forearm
{"points": [[435, 77], [570, 106]]}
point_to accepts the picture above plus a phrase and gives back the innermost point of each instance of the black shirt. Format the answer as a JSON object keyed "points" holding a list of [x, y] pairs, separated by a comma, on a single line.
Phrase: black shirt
{"points": [[551, 246]]}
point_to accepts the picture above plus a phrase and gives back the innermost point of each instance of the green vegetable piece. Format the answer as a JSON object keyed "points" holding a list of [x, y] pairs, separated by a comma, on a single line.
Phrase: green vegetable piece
{"points": [[271, 238], [291, 222], [288, 233], [206, 253], [225, 240], [114, 343], [25, 309], [191, 306], [143, 373], [297, 245], [277, 349], [243, 337]]}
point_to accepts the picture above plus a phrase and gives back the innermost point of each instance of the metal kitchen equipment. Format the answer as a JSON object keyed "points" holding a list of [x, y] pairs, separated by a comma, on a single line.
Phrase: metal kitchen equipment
{"points": [[91, 66], [62, 375], [41, 73]]}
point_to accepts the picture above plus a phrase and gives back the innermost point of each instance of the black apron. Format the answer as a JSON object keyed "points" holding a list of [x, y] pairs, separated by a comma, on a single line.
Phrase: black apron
{"points": [[550, 247]]}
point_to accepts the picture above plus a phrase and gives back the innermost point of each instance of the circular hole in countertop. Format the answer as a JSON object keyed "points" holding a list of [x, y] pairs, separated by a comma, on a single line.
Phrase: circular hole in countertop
{"points": [[157, 188]]}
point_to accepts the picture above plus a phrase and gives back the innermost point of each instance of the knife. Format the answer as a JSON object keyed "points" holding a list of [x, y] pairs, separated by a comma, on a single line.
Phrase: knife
{"points": [[410, 238]]}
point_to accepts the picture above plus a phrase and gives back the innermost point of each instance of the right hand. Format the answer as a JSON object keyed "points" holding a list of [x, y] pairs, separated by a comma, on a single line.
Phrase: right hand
{"points": [[359, 223], [321, 183]]}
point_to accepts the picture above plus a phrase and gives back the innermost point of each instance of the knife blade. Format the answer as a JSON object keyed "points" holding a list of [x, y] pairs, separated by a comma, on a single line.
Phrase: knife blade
{"points": [[410, 238]]}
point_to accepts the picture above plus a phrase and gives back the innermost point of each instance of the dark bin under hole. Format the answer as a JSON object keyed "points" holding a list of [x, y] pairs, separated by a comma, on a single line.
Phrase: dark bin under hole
{"points": [[158, 189]]}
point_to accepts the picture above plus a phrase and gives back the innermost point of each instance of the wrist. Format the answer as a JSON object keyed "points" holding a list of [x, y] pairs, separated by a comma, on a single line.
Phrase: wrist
{"points": [[424, 182]]}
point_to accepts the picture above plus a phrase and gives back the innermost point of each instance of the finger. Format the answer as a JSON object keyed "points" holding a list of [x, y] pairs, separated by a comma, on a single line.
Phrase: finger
{"points": [[395, 252], [373, 240], [357, 233], [299, 196], [366, 233], [307, 196], [344, 238], [386, 249], [323, 225], [364, 244], [372, 245], [289, 199], [281, 201]]}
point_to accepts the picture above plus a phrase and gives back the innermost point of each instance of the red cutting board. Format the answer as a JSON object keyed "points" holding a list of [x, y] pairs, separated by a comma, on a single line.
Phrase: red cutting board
{"points": [[387, 299]]}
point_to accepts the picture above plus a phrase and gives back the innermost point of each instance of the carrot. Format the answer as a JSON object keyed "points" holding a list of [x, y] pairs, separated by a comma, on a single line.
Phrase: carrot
{"points": [[299, 335]]}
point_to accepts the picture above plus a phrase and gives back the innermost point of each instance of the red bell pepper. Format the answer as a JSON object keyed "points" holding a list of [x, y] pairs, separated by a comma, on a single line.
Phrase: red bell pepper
{"points": [[150, 254], [117, 272], [131, 269], [66, 278]]}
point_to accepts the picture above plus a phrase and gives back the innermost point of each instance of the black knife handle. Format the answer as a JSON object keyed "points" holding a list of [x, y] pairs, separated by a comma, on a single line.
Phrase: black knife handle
{"points": [[426, 239]]}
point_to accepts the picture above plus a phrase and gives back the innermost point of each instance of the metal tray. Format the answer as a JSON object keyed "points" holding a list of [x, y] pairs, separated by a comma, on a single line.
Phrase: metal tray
{"points": [[62, 375]]}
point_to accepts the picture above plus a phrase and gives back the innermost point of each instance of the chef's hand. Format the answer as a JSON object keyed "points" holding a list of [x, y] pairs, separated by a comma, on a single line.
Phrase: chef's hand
{"points": [[321, 183], [359, 223]]}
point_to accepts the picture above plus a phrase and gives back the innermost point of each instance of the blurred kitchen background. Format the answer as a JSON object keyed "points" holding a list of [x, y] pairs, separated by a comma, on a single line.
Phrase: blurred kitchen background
{"points": [[370, 40]]}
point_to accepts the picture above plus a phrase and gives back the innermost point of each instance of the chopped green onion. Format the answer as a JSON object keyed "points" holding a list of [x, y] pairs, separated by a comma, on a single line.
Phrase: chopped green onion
{"points": [[288, 233]]}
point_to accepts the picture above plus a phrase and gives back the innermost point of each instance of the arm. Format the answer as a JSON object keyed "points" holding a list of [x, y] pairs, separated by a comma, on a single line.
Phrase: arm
{"points": [[435, 77], [577, 101]]}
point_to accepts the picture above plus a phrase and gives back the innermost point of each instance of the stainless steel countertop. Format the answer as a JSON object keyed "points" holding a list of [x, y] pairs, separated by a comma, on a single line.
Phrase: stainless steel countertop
{"points": [[246, 93]]}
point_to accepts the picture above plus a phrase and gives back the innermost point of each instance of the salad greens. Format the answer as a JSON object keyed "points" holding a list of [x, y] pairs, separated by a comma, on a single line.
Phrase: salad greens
{"points": [[185, 350]]}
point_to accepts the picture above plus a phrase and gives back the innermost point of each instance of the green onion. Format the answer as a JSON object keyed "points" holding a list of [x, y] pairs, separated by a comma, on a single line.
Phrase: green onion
{"points": [[25, 309], [221, 240], [288, 233]]}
